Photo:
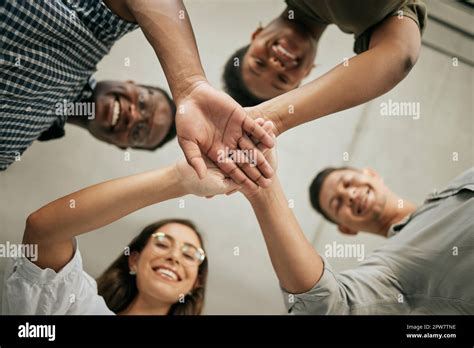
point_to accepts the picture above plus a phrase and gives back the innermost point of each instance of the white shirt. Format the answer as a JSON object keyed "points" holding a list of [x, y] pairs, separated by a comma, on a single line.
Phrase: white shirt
{"points": [[30, 290]]}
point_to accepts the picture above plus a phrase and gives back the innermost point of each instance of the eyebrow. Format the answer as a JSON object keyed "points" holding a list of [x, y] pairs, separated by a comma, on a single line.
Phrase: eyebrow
{"points": [[149, 100], [330, 204], [153, 125], [182, 243], [253, 71], [152, 113], [190, 244], [334, 196]]}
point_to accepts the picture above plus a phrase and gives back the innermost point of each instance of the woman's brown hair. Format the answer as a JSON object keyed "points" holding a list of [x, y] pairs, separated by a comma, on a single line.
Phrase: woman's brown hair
{"points": [[118, 287]]}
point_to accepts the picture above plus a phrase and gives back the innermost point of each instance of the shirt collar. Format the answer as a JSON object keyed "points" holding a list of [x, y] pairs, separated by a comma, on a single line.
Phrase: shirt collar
{"points": [[465, 181], [397, 227]]}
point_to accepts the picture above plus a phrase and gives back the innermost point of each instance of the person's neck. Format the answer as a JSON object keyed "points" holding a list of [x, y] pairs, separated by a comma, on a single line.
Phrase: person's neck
{"points": [[81, 121], [140, 306], [313, 28], [395, 214]]}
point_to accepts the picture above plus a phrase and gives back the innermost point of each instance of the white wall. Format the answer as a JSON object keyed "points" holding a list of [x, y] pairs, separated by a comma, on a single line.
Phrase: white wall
{"points": [[414, 157]]}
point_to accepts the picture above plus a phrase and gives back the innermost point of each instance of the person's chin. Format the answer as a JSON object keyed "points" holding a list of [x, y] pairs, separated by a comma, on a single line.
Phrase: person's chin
{"points": [[299, 33], [164, 293], [381, 200], [307, 55], [376, 212], [100, 134]]}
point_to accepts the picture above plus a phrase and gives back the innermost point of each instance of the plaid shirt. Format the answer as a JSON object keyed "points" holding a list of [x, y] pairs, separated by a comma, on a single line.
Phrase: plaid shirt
{"points": [[49, 50]]}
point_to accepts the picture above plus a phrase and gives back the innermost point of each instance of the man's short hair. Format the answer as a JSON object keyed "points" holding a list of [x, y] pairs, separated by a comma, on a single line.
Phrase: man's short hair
{"points": [[172, 131], [317, 185], [234, 84]]}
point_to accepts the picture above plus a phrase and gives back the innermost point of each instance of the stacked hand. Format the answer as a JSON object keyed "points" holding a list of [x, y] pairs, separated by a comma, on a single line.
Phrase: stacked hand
{"points": [[270, 155], [215, 182], [210, 124]]}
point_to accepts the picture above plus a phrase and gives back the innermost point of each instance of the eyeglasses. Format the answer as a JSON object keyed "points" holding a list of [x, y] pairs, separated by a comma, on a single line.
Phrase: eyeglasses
{"points": [[165, 244], [141, 130]]}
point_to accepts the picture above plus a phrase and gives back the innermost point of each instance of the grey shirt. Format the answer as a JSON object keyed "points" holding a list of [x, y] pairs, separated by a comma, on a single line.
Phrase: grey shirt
{"points": [[426, 267]]}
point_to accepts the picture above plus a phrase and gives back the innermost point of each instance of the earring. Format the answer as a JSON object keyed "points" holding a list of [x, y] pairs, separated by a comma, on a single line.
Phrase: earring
{"points": [[132, 272]]}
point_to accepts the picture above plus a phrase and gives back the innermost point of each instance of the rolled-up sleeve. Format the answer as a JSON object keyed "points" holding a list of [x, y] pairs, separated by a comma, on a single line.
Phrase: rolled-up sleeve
{"points": [[370, 288], [413, 9], [30, 290]]}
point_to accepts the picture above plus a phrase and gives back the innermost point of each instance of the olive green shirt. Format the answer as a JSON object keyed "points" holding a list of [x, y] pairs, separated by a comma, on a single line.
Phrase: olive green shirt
{"points": [[358, 17], [425, 267]]}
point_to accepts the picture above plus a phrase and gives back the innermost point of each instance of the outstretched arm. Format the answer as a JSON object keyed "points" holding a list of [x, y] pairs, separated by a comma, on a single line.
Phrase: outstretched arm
{"points": [[54, 226], [297, 264], [393, 51], [208, 122], [167, 27]]}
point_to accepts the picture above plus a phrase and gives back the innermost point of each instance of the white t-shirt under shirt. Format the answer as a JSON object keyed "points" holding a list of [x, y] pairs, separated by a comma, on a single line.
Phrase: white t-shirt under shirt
{"points": [[30, 290]]}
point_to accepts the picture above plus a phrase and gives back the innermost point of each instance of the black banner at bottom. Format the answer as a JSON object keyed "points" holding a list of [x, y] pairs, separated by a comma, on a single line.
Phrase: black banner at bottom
{"points": [[451, 331]]}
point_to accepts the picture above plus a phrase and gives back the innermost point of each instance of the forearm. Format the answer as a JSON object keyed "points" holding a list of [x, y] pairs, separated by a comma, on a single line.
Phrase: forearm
{"points": [[297, 264], [100, 205], [167, 27], [367, 76]]}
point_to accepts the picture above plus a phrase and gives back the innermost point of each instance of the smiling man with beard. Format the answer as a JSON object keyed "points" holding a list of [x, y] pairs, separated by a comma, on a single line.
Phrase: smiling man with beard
{"points": [[51, 61], [125, 114]]}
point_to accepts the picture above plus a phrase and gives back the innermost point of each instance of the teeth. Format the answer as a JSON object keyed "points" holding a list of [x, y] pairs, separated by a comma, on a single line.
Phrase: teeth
{"points": [[285, 52], [167, 273], [116, 113]]}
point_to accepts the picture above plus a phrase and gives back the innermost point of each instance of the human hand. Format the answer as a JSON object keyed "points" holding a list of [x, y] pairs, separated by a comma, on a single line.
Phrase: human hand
{"points": [[214, 183], [209, 123], [256, 112], [270, 155]]}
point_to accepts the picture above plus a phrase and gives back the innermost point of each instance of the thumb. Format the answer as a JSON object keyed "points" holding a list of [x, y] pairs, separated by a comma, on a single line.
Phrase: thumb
{"points": [[193, 156]]}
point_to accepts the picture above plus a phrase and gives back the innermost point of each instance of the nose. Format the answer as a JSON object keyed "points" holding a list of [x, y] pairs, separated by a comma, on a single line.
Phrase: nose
{"points": [[349, 195], [276, 64], [174, 256], [133, 115]]}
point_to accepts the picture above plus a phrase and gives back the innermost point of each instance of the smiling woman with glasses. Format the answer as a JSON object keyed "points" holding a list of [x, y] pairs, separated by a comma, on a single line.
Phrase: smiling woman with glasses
{"points": [[162, 271], [166, 262]]}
